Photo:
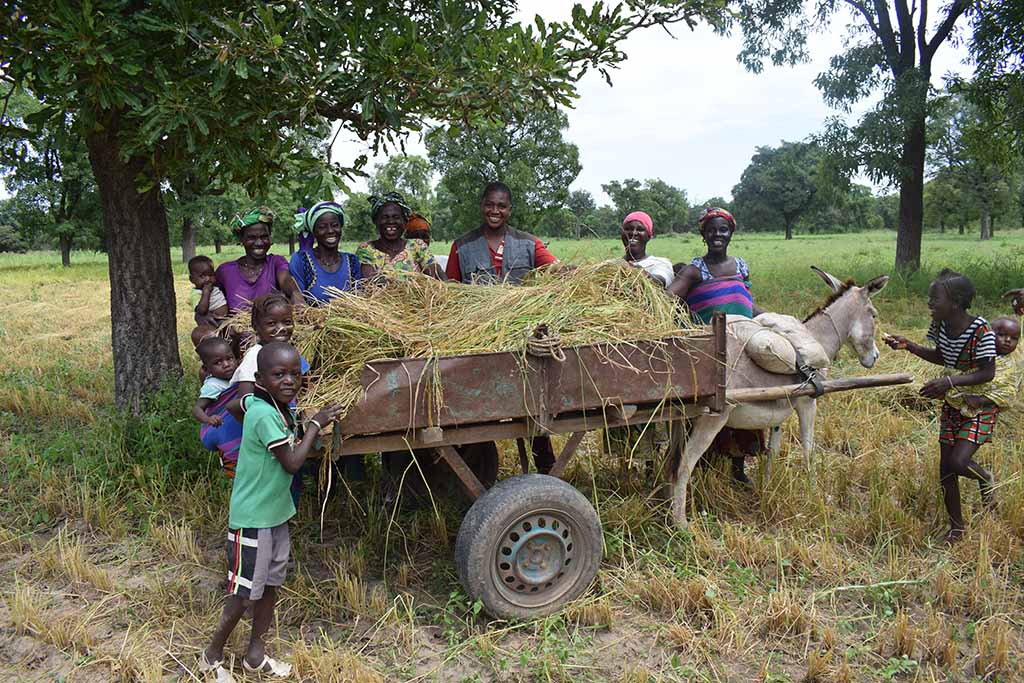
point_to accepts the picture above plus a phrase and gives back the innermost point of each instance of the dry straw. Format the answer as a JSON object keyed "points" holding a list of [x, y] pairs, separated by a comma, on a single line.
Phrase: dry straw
{"points": [[420, 317]]}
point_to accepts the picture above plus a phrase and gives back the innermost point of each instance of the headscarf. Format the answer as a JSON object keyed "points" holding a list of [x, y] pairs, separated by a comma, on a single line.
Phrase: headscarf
{"points": [[377, 203], [417, 222], [643, 218], [260, 214], [306, 219], [716, 212]]}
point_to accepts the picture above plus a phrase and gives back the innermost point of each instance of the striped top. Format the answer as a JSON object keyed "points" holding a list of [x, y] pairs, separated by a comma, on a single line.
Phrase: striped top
{"points": [[729, 294], [975, 346]]}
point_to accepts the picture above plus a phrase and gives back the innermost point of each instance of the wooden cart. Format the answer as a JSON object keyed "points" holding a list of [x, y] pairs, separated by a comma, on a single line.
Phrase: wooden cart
{"points": [[532, 542]]}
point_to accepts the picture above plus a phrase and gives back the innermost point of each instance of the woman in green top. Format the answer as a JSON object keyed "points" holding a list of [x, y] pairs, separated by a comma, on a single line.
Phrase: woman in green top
{"points": [[391, 252]]}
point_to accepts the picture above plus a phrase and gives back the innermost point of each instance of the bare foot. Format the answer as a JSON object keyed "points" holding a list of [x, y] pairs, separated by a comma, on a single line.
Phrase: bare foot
{"points": [[988, 493], [953, 535]]}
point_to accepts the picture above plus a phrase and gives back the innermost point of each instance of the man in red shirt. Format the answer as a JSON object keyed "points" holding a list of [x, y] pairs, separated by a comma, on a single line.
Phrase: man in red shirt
{"points": [[491, 254], [496, 252]]}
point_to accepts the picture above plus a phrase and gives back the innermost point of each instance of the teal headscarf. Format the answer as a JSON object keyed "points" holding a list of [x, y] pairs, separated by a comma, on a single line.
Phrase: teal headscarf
{"points": [[377, 203], [306, 220], [260, 214]]}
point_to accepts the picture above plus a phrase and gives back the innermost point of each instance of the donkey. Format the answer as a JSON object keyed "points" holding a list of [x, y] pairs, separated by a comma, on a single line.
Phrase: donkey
{"points": [[847, 317]]}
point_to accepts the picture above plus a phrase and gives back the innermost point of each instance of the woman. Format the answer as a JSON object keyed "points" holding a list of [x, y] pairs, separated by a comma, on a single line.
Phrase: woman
{"points": [[418, 228], [719, 282], [636, 231], [258, 272], [316, 268], [392, 252]]}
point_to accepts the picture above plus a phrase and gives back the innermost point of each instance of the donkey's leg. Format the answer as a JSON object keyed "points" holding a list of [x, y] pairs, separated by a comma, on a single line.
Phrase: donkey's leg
{"points": [[705, 428], [806, 409], [774, 444]]}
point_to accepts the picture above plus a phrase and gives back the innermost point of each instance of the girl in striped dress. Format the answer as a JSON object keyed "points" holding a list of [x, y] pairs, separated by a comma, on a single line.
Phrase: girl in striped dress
{"points": [[719, 282], [965, 346]]}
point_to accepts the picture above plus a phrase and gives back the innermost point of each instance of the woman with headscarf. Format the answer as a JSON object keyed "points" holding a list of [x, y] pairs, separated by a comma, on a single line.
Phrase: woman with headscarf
{"points": [[418, 228], [316, 268], [636, 231], [391, 252], [719, 282], [258, 272]]}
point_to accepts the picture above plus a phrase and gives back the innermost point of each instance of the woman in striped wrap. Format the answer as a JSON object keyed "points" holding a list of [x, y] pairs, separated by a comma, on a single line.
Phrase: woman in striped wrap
{"points": [[719, 282]]}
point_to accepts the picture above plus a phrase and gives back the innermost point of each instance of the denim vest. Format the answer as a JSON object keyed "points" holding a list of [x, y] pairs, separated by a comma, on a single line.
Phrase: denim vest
{"points": [[475, 257]]}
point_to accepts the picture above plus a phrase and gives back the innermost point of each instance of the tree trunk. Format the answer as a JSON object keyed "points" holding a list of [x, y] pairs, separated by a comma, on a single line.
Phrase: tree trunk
{"points": [[960, 230], [291, 244], [144, 334], [986, 224], [911, 186], [216, 245], [188, 239], [65, 250], [789, 230], [942, 225]]}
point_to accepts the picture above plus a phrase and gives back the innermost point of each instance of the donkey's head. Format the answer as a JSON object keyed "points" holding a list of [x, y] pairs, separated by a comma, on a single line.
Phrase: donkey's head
{"points": [[852, 314]]}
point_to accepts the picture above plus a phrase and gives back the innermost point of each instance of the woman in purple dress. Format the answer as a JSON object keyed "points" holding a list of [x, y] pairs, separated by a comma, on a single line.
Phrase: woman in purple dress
{"points": [[258, 272]]}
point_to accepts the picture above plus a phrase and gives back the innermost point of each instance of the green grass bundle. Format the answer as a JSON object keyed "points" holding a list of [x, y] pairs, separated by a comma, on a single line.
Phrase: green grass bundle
{"points": [[421, 317]]}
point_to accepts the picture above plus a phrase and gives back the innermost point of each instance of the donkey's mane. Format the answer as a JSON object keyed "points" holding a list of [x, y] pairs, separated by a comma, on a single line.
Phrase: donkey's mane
{"points": [[833, 297]]}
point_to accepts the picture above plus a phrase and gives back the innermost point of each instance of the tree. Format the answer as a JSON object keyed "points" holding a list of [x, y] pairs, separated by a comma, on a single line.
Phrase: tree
{"points": [[581, 203], [528, 153], [977, 153], [410, 175], [781, 183], [998, 84], [222, 87], [889, 142], [667, 205], [50, 169]]}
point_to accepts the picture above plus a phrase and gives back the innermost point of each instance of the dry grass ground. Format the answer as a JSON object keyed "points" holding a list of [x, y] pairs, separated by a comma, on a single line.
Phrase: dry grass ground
{"points": [[111, 533]]}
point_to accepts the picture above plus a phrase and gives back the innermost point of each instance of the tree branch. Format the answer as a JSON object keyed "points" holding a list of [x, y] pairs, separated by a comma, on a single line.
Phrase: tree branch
{"points": [[922, 23], [866, 13], [906, 24], [892, 52], [956, 10]]}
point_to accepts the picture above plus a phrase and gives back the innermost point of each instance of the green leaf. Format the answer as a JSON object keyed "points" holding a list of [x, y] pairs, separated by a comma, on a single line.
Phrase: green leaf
{"points": [[241, 68]]}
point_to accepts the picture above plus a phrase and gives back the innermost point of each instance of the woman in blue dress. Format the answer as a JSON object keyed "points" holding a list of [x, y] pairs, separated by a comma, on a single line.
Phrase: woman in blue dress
{"points": [[316, 268]]}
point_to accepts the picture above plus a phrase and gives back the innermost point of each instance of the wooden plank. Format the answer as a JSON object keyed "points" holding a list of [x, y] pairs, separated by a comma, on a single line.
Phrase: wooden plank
{"points": [[524, 461], [568, 450], [466, 477], [755, 394], [496, 431]]}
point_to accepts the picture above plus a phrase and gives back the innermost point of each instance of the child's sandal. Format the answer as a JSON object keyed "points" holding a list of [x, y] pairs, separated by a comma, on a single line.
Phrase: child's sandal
{"points": [[217, 668], [270, 667]]}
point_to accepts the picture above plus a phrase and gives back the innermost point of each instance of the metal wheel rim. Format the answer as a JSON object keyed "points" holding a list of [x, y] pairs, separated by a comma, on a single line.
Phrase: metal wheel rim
{"points": [[538, 558]]}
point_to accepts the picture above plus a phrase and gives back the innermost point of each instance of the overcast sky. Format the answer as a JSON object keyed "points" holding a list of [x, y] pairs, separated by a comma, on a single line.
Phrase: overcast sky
{"points": [[684, 110]]}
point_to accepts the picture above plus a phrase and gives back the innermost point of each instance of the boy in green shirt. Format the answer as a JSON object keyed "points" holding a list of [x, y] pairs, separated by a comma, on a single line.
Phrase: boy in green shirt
{"points": [[261, 505]]}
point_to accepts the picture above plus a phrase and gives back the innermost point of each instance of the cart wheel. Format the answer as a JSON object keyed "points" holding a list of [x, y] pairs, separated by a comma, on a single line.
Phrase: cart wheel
{"points": [[528, 546]]}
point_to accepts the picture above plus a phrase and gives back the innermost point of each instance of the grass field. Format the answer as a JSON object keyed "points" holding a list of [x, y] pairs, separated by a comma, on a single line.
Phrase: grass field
{"points": [[111, 535]]}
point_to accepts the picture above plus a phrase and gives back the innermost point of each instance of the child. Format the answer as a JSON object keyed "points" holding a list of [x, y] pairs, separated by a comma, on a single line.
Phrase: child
{"points": [[271, 321], [219, 364], [260, 507], [211, 306], [1002, 391], [963, 344]]}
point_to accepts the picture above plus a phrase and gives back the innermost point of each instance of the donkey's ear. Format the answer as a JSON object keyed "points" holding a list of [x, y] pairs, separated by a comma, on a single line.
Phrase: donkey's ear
{"points": [[830, 280], [876, 285]]}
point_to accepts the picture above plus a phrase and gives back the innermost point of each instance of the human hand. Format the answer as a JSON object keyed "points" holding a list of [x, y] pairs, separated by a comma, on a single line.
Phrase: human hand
{"points": [[1016, 297], [937, 387], [215, 420], [896, 342], [976, 402], [327, 415]]}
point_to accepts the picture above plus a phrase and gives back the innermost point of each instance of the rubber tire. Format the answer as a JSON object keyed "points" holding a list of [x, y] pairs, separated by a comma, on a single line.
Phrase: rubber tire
{"points": [[492, 514]]}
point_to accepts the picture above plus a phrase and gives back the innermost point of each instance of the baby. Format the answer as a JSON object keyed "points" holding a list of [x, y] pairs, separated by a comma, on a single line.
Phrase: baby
{"points": [[219, 364], [207, 299], [1002, 391]]}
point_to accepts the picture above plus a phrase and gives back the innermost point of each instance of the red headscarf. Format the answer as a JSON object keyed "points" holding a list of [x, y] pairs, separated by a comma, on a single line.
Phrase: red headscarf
{"points": [[643, 219], [716, 212]]}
